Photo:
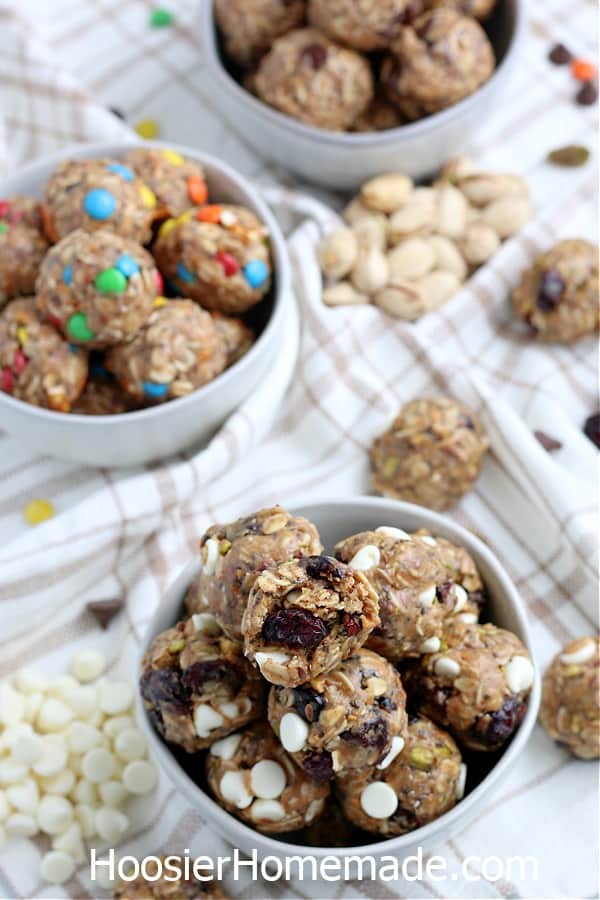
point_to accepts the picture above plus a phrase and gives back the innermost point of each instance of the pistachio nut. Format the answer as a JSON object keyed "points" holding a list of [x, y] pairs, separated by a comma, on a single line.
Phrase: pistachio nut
{"points": [[371, 272], [417, 216], [386, 193], [479, 243], [338, 252], [438, 287], [457, 167], [447, 255], [403, 301], [371, 232], [485, 187], [507, 215], [343, 294], [410, 259]]}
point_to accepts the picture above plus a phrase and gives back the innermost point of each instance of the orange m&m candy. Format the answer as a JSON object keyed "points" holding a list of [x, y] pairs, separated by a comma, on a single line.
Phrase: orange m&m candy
{"points": [[211, 213], [197, 190]]}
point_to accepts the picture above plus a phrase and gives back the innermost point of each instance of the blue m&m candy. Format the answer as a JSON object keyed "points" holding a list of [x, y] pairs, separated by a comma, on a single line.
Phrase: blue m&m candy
{"points": [[99, 204], [127, 265], [119, 169], [154, 390], [68, 275], [256, 273], [184, 274]]}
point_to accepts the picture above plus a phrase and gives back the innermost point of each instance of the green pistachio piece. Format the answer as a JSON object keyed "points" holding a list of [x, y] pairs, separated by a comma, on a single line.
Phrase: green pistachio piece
{"points": [[176, 646], [421, 758]]}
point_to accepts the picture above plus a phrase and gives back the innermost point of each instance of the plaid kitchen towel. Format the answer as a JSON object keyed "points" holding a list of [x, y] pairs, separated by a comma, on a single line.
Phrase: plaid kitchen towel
{"points": [[62, 65]]}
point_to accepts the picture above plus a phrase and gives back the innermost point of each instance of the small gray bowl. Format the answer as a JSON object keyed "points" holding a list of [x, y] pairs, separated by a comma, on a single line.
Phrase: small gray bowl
{"points": [[150, 434], [335, 520], [340, 160]]}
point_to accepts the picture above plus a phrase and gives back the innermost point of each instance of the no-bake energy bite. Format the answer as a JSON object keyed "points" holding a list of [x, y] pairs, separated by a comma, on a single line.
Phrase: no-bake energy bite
{"points": [[425, 780], [164, 888], [305, 616], [558, 296], [431, 455], [352, 717], [23, 246], [177, 182], [249, 27], [364, 25], [253, 777], [462, 571], [197, 686], [235, 334], [570, 710]]}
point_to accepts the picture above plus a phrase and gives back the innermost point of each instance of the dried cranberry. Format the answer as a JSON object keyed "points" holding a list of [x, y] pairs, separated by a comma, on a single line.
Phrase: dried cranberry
{"points": [[294, 628], [308, 703], [587, 94], [351, 623], [591, 428], [195, 676], [550, 291], [560, 55], [444, 592], [369, 734], [494, 729], [324, 567], [318, 767], [160, 687], [315, 55], [548, 443]]}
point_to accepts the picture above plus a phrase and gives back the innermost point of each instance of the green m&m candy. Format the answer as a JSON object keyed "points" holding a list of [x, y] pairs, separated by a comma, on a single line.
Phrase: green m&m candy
{"points": [[78, 329], [111, 281]]}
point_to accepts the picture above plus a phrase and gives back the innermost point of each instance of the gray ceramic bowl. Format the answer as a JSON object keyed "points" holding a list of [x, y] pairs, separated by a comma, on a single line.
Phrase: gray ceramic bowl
{"points": [[155, 433], [344, 161], [335, 520]]}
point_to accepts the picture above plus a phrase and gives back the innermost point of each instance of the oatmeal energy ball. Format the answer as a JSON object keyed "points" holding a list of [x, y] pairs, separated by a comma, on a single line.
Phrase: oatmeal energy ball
{"points": [[217, 255], [425, 780], [305, 616], [235, 334], [440, 59], [431, 454], [308, 77], [253, 777], [352, 717], [98, 289], [36, 364], [558, 296], [476, 685], [364, 25], [175, 352], [462, 570], [197, 686], [570, 710], [162, 889], [233, 556], [249, 27], [23, 246], [176, 182]]}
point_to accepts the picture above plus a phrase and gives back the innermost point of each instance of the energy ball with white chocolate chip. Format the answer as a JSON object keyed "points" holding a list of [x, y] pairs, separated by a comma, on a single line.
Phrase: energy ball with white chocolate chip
{"points": [[570, 710], [351, 718], [249, 27], [217, 255], [233, 556], [176, 182], [196, 685], [462, 571], [558, 296], [175, 352], [435, 62], [253, 777], [165, 888], [23, 246], [36, 364], [366, 26], [431, 454], [476, 685], [98, 289], [311, 78], [94, 194], [237, 337], [425, 780], [305, 616]]}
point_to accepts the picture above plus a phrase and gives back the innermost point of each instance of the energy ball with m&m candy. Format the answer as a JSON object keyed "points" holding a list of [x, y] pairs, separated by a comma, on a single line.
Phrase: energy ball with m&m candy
{"points": [[570, 710], [36, 364], [217, 255], [253, 777], [176, 181], [249, 27], [23, 246], [175, 352], [363, 26], [98, 288]]}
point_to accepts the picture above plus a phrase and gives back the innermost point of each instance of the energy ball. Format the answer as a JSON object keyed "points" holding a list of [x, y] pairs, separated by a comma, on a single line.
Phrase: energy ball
{"points": [[176, 182], [380, 115], [462, 570], [305, 616], [36, 364], [253, 777], [94, 194], [98, 289], [353, 717], [332, 829], [415, 593], [235, 334], [476, 685], [249, 27], [217, 255], [431, 454], [570, 710], [422, 783], [314, 80], [175, 352], [370, 25], [478, 9], [233, 556], [101, 397], [162, 889], [23, 246], [558, 296], [196, 685], [440, 59]]}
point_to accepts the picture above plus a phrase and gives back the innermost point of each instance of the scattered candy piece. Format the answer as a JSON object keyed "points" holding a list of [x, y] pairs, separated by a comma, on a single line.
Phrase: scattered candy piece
{"points": [[38, 511], [3, 227], [127, 265], [99, 204], [77, 327], [587, 94], [147, 129], [176, 159], [197, 190], [148, 196], [591, 428], [104, 611], [119, 169], [210, 213], [583, 70], [68, 275], [256, 273], [151, 389], [184, 274], [161, 18], [547, 442], [229, 263], [111, 281], [8, 383], [560, 55], [160, 301]]}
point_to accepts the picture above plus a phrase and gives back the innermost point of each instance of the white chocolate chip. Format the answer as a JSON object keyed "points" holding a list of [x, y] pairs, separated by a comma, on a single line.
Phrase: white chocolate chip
{"points": [[586, 652], [267, 779], [62, 685], [12, 705], [390, 531], [229, 709], [12, 771], [427, 597], [519, 674], [24, 796], [366, 558], [33, 703], [4, 807], [57, 867], [467, 618], [27, 681], [85, 792], [139, 776], [427, 539], [28, 749], [267, 810], [88, 665], [71, 842], [116, 724], [431, 645], [379, 800], [206, 719], [21, 825], [446, 667], [82, 737], [130, 744], [86, 817], [293, 732], [113, 793], [54, 715], [115, 697], [83, 700], [234, 791], [111, 824], [462, 780], [275, 656], [396, 748], [226, 747], [314, 808], [54, 814], [460, 596], [209, 566], [98, 765], [206, 623], [62, 783]]}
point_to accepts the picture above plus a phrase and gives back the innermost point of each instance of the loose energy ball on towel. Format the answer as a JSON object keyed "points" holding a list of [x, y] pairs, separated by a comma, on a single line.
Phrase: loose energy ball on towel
{"points": [[462, 571], [162, 889], [476, 685], [479, 9], [305, 616], [253, 777], [236, 335], [217, 255], [23, 246], [175, 352], [558, 296], [570, 710], [249, 27], [430, 455], [352, 717], [196, 684], [176, 181], [233, 555], [36, 364], [435, 62], [98, 288], [425, 780], [366, 26], [314, 80], [95, 194]]}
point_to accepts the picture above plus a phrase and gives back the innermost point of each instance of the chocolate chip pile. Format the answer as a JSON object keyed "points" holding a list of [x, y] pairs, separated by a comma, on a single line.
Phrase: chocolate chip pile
{"points": [[334, 693], [126, 286]]}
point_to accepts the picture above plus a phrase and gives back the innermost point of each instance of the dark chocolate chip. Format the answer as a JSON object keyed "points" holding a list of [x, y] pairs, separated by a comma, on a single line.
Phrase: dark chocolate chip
{"points": [[104, 611], [560, 55], [587, 94], [591, 428], [548, 443], [117, 112]]}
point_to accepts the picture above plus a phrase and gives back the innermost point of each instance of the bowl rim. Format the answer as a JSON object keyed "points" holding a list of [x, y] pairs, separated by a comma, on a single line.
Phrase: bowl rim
{"points": [[281, 290], [412, 130], [230, 826]]}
